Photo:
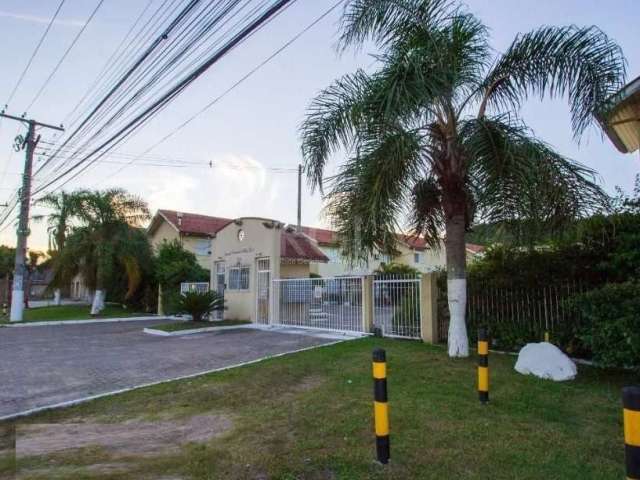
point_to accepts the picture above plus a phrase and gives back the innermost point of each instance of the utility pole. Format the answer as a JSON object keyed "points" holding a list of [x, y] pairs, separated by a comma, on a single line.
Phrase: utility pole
{"points": [[29, 144], [299, 197]]}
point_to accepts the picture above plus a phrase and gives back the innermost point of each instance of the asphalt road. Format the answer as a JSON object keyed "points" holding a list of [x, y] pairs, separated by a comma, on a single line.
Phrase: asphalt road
{"points": [[48, 365]]}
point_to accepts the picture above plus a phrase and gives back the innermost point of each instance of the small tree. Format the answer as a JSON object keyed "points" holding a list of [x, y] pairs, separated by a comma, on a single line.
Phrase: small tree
{"points": [[199, 304], [174, 265]]}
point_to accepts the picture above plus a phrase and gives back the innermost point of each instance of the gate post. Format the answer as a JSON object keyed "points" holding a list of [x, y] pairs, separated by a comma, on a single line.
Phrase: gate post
{"points": [[367, 303], [429, 308]]}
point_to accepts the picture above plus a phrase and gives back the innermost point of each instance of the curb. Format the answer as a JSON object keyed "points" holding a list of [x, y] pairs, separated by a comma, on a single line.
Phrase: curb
{"points": [[177, 333], [80, 322]]}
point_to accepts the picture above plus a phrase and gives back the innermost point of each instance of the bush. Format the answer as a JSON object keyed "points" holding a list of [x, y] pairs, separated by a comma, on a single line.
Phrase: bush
{"points": [[199, 304], [610, 326]]}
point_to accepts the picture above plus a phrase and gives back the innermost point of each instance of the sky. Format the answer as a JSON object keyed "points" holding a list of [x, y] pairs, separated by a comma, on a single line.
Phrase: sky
{"points": [[253, 132]]}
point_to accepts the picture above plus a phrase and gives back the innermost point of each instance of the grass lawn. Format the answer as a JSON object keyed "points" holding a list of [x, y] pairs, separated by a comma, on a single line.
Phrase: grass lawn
{"points": [[309, 416], [74, 312], [189, 325]]}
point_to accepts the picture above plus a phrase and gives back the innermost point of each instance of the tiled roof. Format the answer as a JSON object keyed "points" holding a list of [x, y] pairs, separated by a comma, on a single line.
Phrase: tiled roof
{"points": [[298, 246], [195, 224], [473, 248], [413, 242], [321, 235]]}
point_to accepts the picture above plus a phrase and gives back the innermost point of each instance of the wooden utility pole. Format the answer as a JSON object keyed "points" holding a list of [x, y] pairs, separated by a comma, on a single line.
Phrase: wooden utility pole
{"points": [[29, 144]]}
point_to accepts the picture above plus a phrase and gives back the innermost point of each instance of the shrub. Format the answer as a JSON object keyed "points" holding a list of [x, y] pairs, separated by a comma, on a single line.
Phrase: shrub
{"points": [[199, 304], [610, 326]]}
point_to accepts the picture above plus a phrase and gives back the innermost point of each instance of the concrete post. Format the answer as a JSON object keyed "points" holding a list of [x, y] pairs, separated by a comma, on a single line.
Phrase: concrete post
{"points": [[429, 308], [367, 303]]}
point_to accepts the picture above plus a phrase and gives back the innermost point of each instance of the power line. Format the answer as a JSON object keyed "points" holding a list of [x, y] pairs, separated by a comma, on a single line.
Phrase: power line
{"points": [[235, 85], [168, 96], [35, 52], [66, 53]]}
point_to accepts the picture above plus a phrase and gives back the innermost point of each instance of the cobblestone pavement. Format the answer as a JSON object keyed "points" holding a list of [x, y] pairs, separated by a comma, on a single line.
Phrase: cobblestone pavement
{"points": [[43, 366]]}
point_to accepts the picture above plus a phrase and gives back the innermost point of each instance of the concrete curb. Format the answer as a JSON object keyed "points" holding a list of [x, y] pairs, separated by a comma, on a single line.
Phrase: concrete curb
{"points": [[97, 320], [177, 333], [71, 403]]}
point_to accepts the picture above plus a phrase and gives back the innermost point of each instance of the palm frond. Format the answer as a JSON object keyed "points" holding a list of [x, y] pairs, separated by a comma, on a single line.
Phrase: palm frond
{"points": [[583, 64], [332, 121], [369, 193], [514, 176], [425, 211], [388, 21]]}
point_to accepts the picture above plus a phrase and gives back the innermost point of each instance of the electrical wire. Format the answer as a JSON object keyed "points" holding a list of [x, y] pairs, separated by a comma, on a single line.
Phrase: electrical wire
{"points": [[35, 52], [64, 56], [234, 85], [164, 99]]}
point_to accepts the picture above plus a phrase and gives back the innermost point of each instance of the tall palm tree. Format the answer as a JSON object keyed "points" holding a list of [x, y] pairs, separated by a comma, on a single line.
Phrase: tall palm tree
{"points": [[433, 138], [63, 207], [108, 236]]}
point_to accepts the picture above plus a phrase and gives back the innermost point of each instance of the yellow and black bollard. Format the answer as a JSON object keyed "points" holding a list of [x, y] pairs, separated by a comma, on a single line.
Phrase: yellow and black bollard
{"points": [[483, 365], [381, 404], [631, 413]]}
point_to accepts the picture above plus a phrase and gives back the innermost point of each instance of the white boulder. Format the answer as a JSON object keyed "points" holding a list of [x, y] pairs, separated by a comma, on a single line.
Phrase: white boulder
{"points": [[547, 361]]}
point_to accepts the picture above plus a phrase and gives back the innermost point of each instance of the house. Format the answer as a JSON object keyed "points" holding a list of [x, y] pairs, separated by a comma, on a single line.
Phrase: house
{"points": [[248, 253], [621, 120], [412, 251], [193, 231]]}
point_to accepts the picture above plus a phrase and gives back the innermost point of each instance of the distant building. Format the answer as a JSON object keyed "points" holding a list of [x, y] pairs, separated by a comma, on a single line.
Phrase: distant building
{"points": [[192, 230]]}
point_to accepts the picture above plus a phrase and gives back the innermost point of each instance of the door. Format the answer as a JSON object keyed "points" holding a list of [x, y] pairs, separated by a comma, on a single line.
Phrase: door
{"points": [[263, 290], [220, 279]]}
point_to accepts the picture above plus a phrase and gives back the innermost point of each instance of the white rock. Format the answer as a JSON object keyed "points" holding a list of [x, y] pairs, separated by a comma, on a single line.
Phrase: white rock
{"points": [[547, 361]]}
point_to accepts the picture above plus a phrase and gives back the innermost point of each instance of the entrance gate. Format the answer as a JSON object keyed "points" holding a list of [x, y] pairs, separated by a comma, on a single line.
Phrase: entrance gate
{"points": [[396, 300], [324, 303], [263, 294]]}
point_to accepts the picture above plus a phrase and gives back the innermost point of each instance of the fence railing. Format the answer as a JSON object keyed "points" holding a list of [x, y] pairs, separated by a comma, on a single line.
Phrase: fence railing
{"points": [[396, 310], [325, 303], [525, 312], [200, 287]]}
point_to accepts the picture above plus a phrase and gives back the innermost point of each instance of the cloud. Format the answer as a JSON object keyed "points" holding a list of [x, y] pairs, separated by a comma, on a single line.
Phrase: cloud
{"points": [[237, 185], [45, 20]]}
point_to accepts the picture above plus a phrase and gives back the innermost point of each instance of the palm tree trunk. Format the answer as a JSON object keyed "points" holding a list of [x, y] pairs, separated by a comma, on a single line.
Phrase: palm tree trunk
{"points": [[455, 227], [99, 295]]}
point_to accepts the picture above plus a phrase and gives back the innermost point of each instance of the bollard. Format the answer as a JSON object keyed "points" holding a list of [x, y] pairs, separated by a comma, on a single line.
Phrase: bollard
{"points": [[483, 365], [381, 405], [631, 414]]}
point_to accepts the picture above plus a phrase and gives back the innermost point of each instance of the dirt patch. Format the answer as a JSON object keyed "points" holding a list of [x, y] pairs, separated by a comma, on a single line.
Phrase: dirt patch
{"points": [[127, 439]]}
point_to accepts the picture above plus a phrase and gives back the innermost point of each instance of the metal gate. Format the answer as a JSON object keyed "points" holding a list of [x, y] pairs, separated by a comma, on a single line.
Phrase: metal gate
{"points": [[396, 305], [325, 303], [263, 283]]}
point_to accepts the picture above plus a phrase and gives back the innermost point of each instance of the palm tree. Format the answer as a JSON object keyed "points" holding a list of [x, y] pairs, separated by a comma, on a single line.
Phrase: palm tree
{"points": [[108, 236], [64, 206], [433, 135]]}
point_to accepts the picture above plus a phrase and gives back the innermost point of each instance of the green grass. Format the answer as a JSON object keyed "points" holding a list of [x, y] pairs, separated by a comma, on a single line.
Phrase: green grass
{"points": [[74, 312], [309, 416], [189, 325]]}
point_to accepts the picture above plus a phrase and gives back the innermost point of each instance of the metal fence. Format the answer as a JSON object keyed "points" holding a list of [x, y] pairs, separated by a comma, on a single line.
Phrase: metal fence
{"points": [[200, 287], [325, 303], [527, 312], [396, 305]]}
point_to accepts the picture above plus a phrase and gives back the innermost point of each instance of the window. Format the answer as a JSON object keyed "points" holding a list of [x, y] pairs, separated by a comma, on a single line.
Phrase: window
{"points": [[416, 258], [333, 254], [203, 247], [239, 278]]}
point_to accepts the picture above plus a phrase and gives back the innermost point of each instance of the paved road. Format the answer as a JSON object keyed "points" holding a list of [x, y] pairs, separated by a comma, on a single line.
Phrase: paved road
{"points": [[42, 366]]}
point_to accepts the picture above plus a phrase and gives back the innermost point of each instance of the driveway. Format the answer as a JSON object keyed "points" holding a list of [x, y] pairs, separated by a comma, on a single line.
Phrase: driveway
{"points": [[48, 365]]}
